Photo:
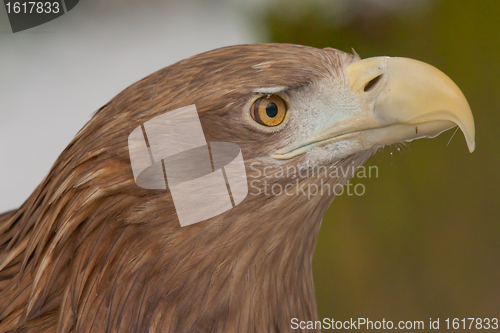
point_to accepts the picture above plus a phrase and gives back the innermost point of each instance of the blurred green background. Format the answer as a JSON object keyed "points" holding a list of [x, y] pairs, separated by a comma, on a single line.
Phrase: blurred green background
{"points": [[423, 242]]}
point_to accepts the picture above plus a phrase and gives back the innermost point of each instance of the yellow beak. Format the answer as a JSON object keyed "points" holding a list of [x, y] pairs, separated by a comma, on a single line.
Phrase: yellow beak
{"points": [[400, 99], [416, 95]]}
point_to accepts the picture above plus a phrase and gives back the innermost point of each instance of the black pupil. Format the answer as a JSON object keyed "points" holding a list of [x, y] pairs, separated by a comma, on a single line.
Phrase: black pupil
{"points": [[271, 110]]}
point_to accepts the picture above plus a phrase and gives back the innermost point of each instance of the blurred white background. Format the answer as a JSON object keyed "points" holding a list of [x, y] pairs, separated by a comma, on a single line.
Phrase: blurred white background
{"points": [[54, 76]]}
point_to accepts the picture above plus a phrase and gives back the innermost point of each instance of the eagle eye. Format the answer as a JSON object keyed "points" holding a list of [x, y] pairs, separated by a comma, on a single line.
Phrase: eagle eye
{"points": [[269, 110]]}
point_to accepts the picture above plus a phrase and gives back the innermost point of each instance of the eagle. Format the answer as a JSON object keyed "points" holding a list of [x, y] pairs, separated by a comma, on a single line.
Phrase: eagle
{"points": [[91, 251]]}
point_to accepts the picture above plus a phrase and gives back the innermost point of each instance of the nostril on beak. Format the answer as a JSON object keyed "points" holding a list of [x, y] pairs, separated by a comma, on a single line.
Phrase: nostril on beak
{"points": [[369, 86]]}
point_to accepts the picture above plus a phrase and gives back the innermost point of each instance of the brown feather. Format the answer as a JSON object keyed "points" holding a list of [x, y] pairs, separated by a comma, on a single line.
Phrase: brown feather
{"points": [[90, 251]]}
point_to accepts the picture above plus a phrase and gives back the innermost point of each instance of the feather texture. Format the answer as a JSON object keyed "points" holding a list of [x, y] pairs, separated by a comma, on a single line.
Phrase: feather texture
{"points": [[90, 251]]}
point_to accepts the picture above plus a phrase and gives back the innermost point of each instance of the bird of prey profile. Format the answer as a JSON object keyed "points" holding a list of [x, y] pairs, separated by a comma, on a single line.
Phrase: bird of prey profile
{"points": [[91, 251]]}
